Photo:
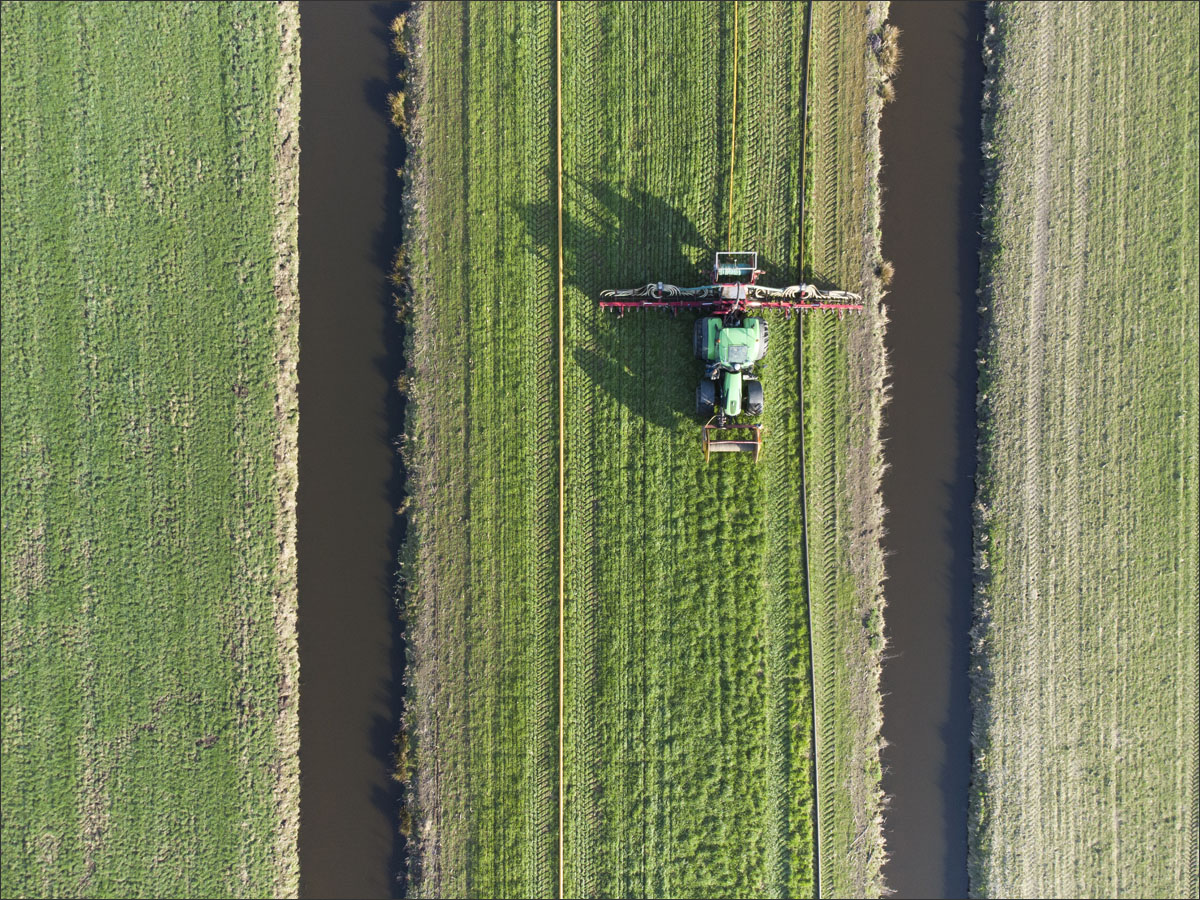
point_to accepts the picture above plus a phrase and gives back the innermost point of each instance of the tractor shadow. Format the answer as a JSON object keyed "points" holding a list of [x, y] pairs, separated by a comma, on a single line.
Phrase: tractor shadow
{"points": [[617, 236], [666, 403]]}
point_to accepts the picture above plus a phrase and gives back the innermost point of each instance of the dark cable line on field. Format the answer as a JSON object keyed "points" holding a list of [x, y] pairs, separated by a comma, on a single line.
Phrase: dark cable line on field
{"points": [[645, 537], [561, 428]]}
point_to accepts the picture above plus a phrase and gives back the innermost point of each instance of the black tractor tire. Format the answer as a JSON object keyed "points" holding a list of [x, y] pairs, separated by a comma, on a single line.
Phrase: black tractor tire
{"points": [[706, 398], [766, 335], [698, 334], [753, 392]]}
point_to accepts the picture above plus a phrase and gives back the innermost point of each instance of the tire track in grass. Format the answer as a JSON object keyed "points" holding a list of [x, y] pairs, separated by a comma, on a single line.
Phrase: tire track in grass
{"points": [[1072, 522], [581, 747], [559, 363], [1032, 416], [820, 441], [545, 565]]}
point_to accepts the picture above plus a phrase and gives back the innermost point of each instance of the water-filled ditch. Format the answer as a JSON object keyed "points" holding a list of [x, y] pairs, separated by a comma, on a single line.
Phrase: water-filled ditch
{"points": [[349, 646], [930, 232]]}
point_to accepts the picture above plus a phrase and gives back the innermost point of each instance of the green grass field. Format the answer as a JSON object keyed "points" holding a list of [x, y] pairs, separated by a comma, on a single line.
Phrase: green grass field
{"points": [[149, 340], [484, 461], [844, 393], [1085, 662], [688, 721], [688, 717]]}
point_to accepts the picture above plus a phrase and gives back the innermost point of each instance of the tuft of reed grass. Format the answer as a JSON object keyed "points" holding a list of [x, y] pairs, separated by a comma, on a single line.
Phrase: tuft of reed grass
{"points": [[889, 53], [396, 108], [399, 29]]}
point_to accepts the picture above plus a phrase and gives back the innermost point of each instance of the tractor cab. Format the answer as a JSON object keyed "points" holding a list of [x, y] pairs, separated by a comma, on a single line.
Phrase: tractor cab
{"points": [[730, 348], [729, 352]]}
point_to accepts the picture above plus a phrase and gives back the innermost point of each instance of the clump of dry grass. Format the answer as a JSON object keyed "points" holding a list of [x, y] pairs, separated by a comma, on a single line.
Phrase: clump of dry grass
{"points": [[397, 102], [399, 274], [886, 90], [399, 36], [396, 108], [888, 53], [885, 271]]}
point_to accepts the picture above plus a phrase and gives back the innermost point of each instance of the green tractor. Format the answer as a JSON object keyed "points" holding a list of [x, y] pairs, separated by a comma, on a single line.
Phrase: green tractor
{"points": [[729, 353], [728, 340], [730, 349]]}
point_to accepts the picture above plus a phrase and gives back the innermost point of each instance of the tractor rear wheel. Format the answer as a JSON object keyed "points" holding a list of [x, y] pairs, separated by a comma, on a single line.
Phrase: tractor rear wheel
{"points": [[754, 396], [698, 335], [706, 398], [765, 335]]}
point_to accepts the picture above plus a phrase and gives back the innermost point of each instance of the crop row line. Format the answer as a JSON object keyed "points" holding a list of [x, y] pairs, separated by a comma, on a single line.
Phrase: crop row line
{"points": [[581, 782], [818, 867]]}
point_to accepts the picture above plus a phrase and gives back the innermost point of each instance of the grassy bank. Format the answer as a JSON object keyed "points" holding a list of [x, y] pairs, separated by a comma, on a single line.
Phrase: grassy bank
{"points": [[148, 260], [1085, 655], [844, 394], [688, 716], [484, 456]]}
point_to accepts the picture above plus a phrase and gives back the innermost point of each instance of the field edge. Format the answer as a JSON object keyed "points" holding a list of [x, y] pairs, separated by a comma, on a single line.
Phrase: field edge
{"points": [[286, 180]]}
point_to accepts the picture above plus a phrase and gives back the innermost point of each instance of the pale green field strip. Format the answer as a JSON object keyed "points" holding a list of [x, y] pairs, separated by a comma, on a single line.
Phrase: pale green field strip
{"points": [[486, 632], [687, 733], [844, 368], [148, 262], [1085, 661], [688, 738]]}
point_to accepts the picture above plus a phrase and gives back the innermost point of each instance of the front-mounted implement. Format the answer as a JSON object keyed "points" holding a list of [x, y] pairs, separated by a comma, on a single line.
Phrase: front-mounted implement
{"points": [[749, 444], [729, 340]]}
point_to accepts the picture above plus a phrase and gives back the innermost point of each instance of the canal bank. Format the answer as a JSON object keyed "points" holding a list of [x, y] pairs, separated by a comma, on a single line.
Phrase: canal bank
{"points": [[931, 190], [350, 649]]}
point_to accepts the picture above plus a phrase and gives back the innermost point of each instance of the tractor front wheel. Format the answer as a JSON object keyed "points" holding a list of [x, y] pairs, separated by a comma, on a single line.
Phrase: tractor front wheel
{"points": [[706, 398], [754, 396]]}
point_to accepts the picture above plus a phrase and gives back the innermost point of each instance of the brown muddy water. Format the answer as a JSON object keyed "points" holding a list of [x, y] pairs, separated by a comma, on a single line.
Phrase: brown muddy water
{"points": [[350, 647], [930, 232]]}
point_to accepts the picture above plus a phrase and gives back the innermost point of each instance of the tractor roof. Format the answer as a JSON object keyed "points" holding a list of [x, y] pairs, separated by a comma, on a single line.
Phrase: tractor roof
{"points": [[736, 345]]}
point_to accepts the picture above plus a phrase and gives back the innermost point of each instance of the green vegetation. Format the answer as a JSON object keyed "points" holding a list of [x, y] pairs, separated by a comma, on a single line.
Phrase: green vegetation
{"points": [[149, 657], [844, 370], [1085, 657], [688, 715], [483, 456], [688, 728]]}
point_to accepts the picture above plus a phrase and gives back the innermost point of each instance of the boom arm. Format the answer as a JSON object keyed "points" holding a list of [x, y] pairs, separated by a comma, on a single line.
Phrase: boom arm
{"points": [[721, 299]]}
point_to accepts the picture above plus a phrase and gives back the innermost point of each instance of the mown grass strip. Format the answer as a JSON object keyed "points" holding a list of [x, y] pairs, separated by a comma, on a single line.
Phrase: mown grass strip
{"points": [[1085, 642], [484, 456], [687, 670], [148, 263], [844, 395]]}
